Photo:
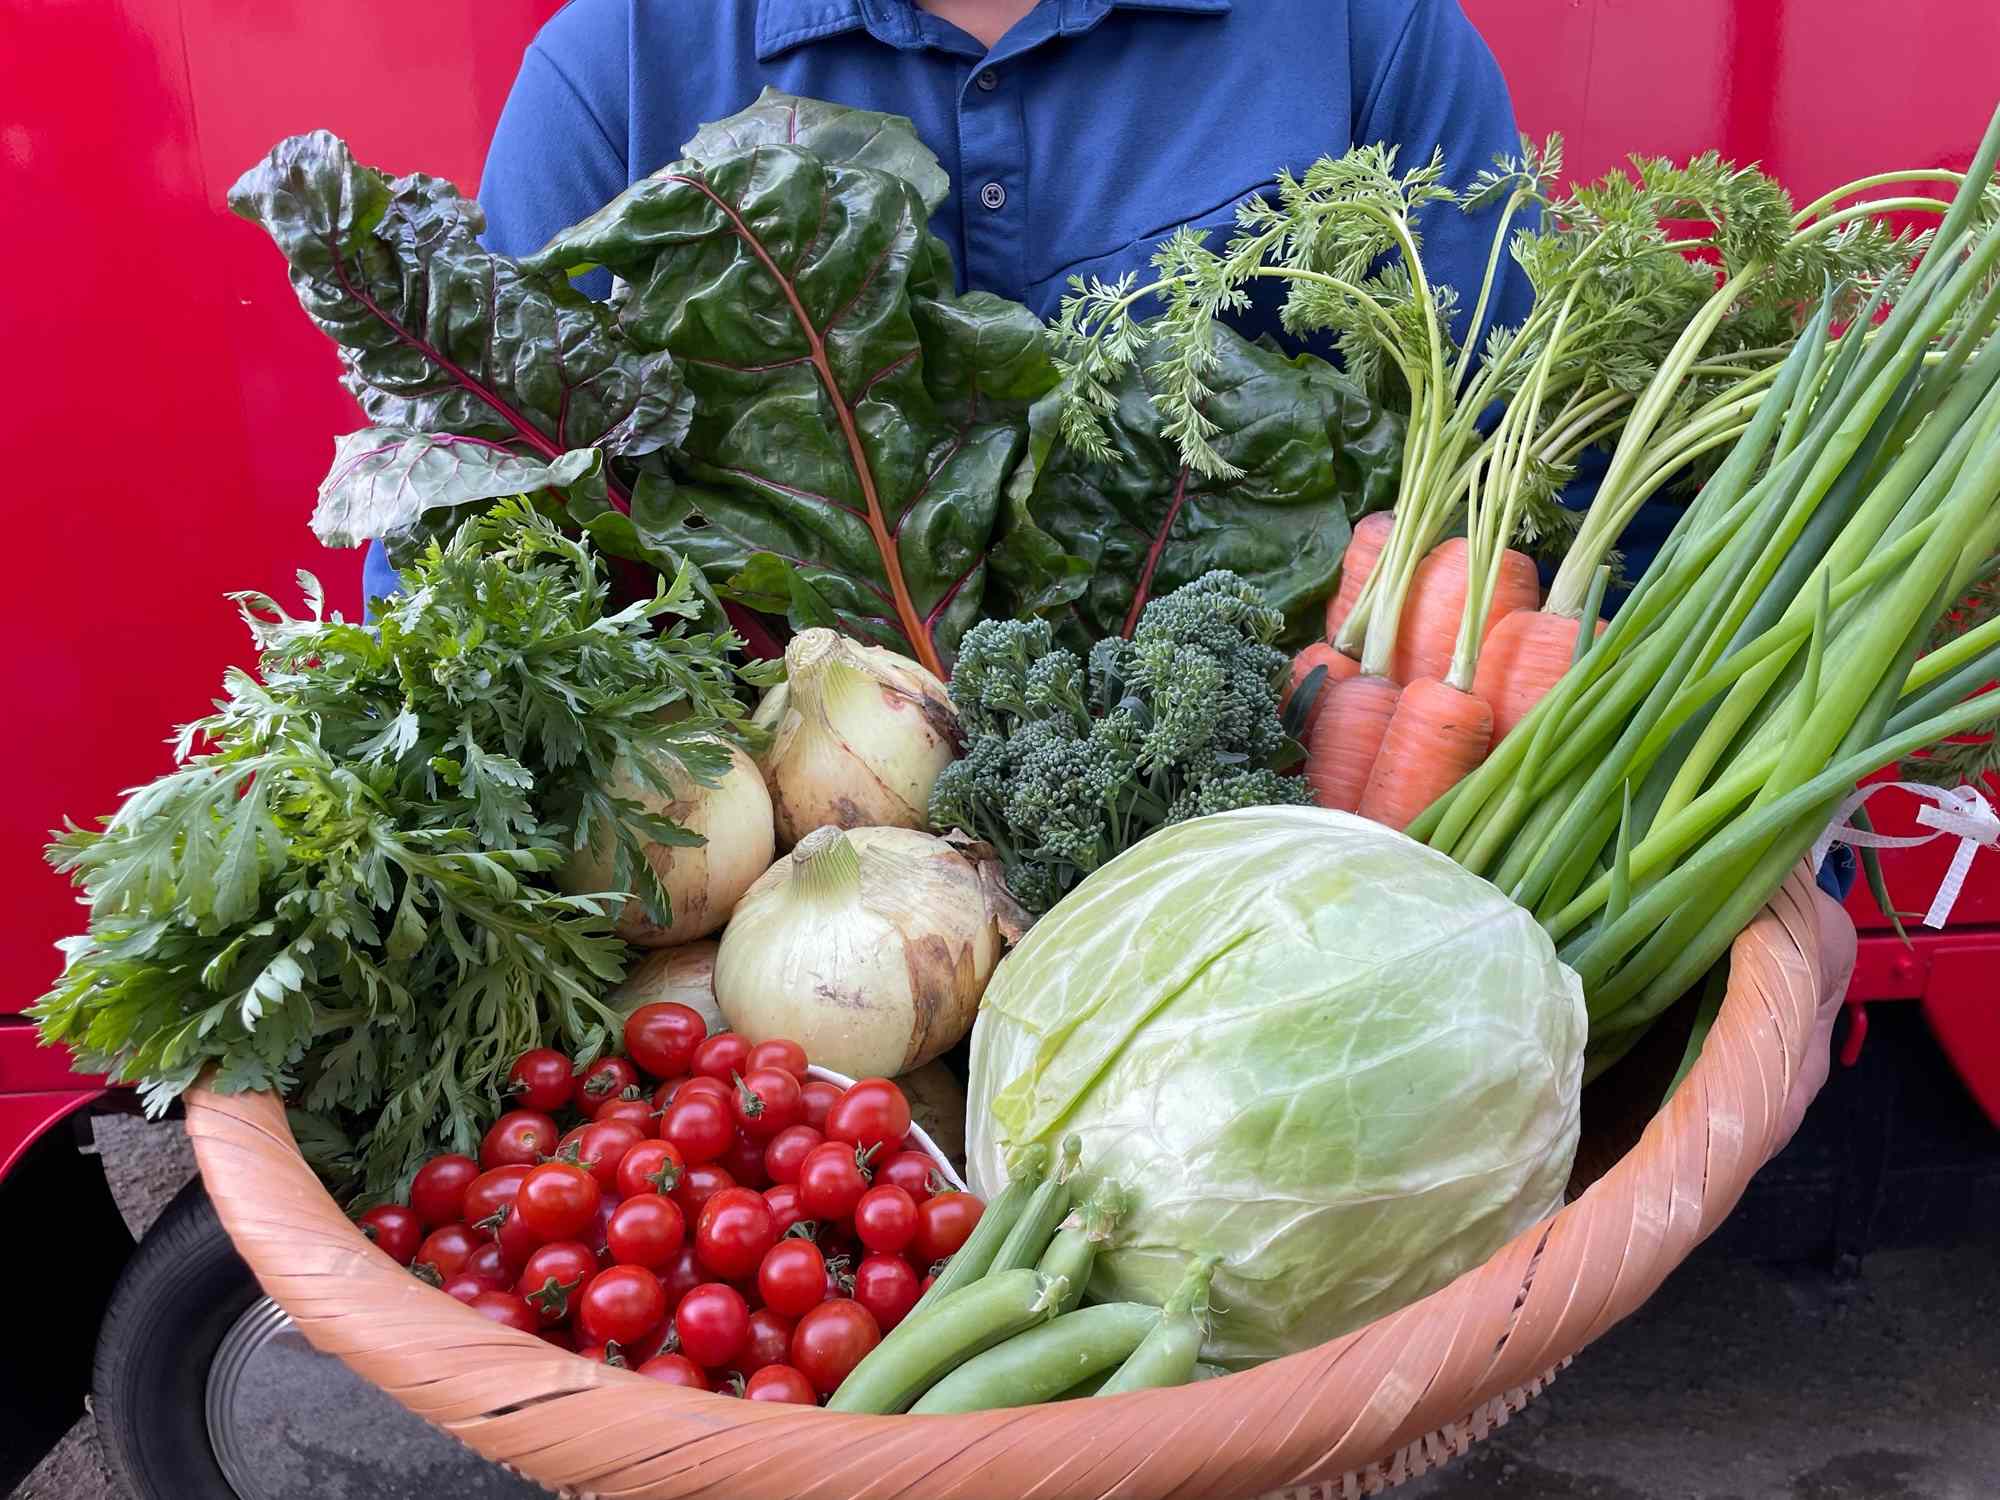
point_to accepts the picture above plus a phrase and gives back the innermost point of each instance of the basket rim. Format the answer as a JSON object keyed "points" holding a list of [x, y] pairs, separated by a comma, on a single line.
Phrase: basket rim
{"points": [[1498, 1327]]}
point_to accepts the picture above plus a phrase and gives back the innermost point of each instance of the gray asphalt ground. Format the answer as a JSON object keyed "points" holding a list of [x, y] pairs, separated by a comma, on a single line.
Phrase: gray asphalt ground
{"points": [[1737, 1382]]}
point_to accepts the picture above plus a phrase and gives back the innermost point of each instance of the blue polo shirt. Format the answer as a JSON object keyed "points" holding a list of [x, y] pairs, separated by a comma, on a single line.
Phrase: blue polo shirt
{"points": [[1090, 132]]}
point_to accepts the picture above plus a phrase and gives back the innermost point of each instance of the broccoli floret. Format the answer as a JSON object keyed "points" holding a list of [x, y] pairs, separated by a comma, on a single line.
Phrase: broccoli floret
{"points": [[1067, 764]]}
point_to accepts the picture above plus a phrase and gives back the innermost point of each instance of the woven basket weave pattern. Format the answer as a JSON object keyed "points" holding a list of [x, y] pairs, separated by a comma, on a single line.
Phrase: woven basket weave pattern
{"points": [[1348, 1418]]}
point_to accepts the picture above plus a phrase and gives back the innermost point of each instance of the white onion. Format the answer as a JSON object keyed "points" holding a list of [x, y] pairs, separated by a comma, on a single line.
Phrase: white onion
{"points": [[858, 736], [682, 976], [703, 882], [869, 948]]}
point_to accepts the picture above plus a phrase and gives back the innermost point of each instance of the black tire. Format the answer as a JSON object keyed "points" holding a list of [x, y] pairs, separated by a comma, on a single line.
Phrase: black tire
{"points": [[181, 1293]]}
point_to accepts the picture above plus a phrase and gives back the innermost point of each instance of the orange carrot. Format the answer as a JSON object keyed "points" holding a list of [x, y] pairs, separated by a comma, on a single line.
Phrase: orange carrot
{"points": [[1523, 658], [1436, 604], [1347, 738], [1339, 667], [1436, 736], [1371, 534]]}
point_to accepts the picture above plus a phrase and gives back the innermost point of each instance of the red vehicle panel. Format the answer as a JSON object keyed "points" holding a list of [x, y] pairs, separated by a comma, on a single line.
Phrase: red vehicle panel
{"points": [[179, 410]]}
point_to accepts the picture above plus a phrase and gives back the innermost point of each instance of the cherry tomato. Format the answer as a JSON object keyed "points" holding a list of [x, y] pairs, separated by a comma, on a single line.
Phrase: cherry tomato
{"points": [[713, 1322], [885, 1220], [519, 1138], [489, 1264], [715, 1088], [542, 1079], [872, 1113], [553, 1276], [943, 1224], [767, 1100], [621, 1305], [638, 1113], [792, 1277], [562, 1338], [744, 1160], [781, 1053], [702, 1128], [698, 1185], [640, 1350], [507, 1310], [645, 1230], [612, 1353], [770, 1341], [491, 1192], [831, 1181], [734, 1232], [819, 1098], [787, 1150], [600, 1148], [445, 1250], [785, 1210], [598, 1235], [887, 1287], [438, 1192], [517, 1240], [604, 1079], [682, 1274], [930, 1279], [779, 1383], [394, 1230], [465, 1287], [676, 1369], [722, 1056], [839, 1275], [649, 1167], [559, 1200], [831, 1340], [913, 1172], [661, 1038]]}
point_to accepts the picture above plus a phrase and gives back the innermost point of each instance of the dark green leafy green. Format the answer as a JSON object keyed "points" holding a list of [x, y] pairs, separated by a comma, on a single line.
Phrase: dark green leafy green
{"points": [[1090, 539], [832, 132], [343, 891]]}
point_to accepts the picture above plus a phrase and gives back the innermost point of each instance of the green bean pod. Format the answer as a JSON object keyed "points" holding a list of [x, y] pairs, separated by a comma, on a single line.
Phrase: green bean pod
{"points": [[1043, 1362], [1031, 1233], [975, 1256], [920, 1351], [1169, 1353], [1074, 1249]]}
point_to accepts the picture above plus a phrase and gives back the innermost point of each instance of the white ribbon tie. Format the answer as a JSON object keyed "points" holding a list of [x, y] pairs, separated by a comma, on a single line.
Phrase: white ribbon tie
{"points": [[1960, 812]]}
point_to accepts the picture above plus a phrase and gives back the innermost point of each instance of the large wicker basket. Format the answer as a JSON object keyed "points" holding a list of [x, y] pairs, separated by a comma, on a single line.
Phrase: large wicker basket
{"points": [[1349, 1417]]}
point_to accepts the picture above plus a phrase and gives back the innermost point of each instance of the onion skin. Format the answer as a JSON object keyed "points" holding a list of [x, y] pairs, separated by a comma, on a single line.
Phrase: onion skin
{"points": [[704, 883], [682, 976], [859, 734], [872, 960]]}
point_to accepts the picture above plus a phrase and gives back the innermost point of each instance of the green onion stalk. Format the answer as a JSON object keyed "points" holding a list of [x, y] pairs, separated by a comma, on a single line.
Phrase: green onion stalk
{"points": [[1666, 786]]}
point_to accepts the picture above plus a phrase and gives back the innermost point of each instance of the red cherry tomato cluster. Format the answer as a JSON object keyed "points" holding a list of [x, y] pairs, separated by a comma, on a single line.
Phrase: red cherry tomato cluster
{"points": [[696, 1209]]}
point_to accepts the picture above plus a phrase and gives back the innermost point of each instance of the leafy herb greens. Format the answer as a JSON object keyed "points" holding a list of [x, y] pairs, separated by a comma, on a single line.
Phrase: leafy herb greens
{"points": [[346, 895]]}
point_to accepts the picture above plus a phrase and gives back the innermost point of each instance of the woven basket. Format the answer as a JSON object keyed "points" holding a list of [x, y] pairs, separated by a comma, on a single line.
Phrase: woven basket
{"points": [[1350, 1417]]}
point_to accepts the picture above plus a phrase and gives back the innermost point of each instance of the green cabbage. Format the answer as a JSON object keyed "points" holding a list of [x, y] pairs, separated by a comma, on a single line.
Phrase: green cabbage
{"points": [[1307, 1045]]}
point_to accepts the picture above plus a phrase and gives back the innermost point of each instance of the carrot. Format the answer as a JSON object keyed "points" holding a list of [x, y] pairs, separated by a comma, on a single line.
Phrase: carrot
{"points": [[1346, 739], [1339, 668], [1521, 660], [1371, 534], [1437, 736], [1436, 605]]}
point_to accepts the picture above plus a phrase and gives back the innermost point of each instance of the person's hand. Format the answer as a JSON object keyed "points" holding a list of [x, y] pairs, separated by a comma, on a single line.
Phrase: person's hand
{"points": [[1836, 962]]}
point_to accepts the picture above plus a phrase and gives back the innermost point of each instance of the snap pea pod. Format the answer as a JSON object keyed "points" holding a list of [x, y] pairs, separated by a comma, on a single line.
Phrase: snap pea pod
{"points": [[1206, 1371], [1168, 1355], [1086, 1387], [1032, 1232], [1074, 1249], [975, 1256], [1043, 1362], [921, 1350]]}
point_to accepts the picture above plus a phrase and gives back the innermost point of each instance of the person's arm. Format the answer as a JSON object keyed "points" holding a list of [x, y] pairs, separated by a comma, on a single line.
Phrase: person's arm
{"points": [[1425, 81], [558, 155]]}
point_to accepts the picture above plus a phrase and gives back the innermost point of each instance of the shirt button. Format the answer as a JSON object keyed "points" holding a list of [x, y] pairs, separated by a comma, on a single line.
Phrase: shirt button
{"points": [[988, 80], [993, 195]]}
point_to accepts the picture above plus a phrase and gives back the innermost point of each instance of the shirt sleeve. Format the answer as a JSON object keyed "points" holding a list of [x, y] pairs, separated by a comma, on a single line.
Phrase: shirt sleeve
{"points": [[1425, 81]]}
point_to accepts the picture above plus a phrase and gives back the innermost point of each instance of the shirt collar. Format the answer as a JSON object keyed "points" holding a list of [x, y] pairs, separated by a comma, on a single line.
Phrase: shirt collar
{"points": [[785, 24]]}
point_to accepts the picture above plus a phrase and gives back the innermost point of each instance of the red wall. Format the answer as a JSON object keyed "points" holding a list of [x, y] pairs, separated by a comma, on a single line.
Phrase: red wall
{"points": [[168, 409]]}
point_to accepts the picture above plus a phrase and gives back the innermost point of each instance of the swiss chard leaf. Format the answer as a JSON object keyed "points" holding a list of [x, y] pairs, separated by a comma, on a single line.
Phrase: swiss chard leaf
{"points": [[1089, 541], [832, 132], [853, 422], [439, 336], [384, 478]]}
